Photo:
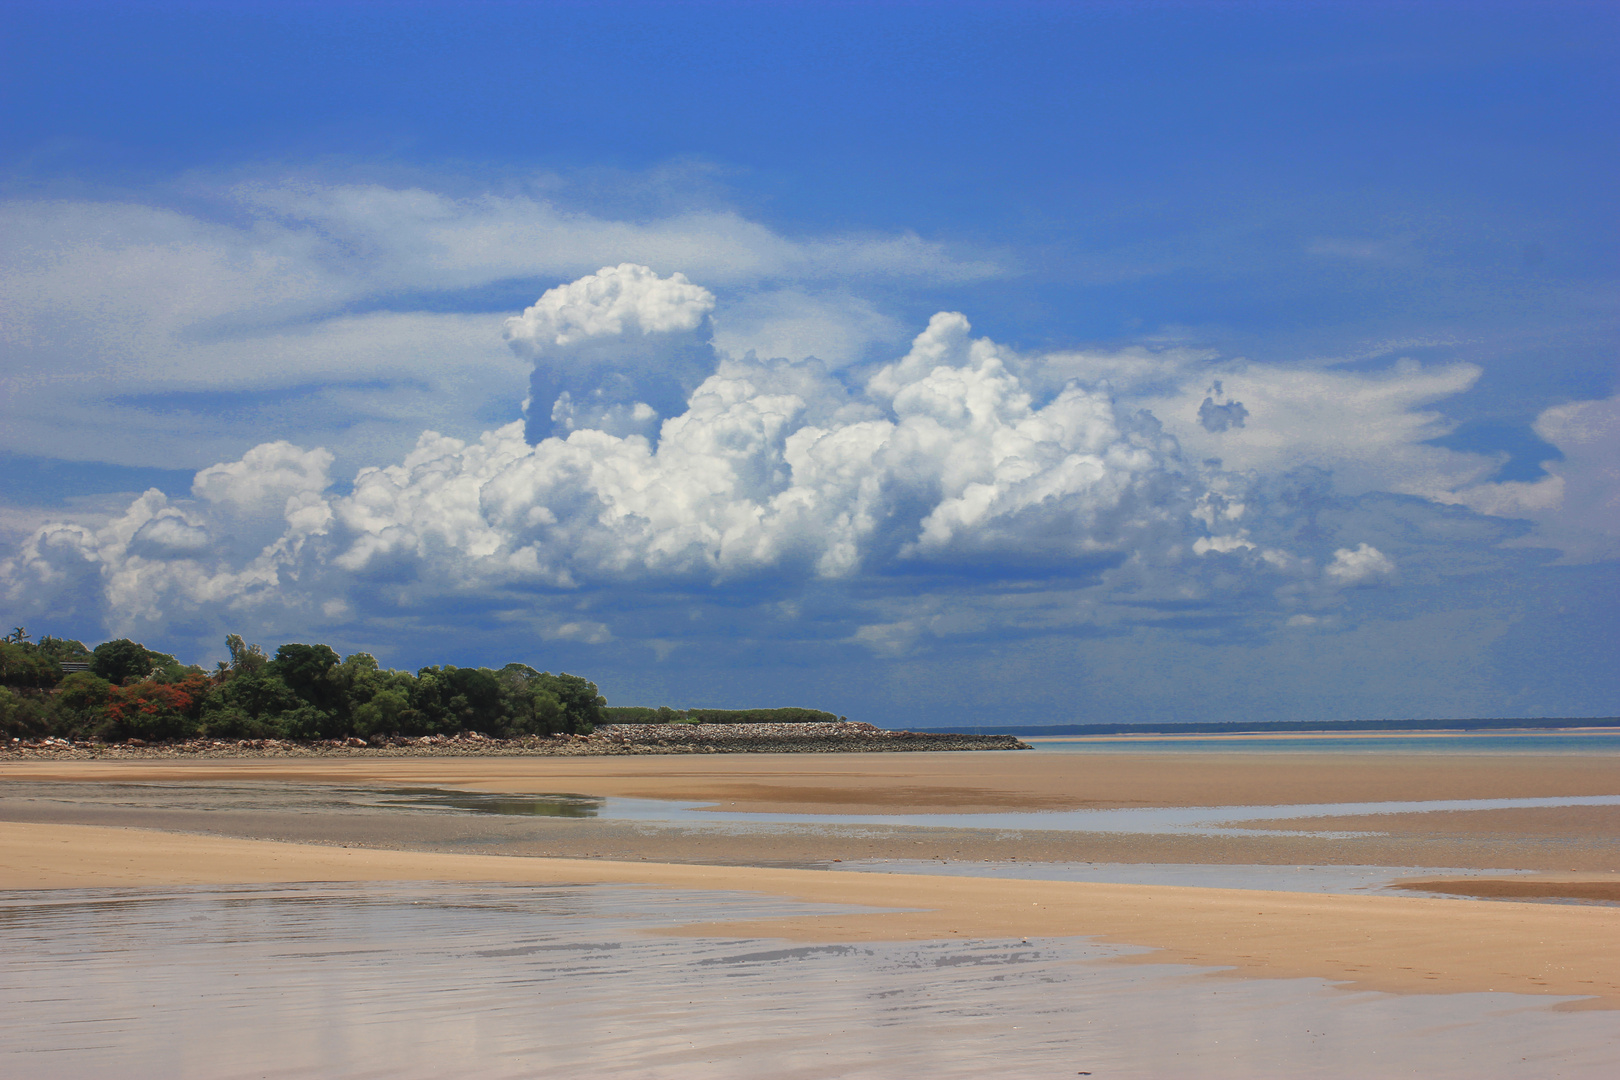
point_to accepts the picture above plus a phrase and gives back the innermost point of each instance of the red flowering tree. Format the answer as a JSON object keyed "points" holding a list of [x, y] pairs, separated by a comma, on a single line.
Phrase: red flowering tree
{"points": [[155, 710]]}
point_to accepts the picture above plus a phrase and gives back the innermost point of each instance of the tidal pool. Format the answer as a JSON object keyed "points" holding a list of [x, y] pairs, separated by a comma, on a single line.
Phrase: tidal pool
{"points": [[1175, 820], [337, 798], [1264, 878]]}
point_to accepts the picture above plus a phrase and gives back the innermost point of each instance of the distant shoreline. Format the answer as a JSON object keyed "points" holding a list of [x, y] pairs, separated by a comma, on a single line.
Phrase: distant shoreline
{"points": [[609, 739], [1318, 736], [1274, 728]]}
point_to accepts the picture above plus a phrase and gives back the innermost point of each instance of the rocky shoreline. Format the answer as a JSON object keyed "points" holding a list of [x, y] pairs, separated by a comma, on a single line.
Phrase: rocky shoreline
{"points": [[832, 738]]}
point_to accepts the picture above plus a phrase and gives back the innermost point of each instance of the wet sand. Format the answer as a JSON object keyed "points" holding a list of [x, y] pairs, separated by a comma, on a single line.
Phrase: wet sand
{"points": [[1402, 944], [431, 981], [1369, 942], [1572, 824], [1546, 839], [298, 814], [1537, 887]]}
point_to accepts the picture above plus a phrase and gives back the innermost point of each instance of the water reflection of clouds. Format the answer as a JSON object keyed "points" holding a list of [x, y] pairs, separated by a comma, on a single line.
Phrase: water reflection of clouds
{"points": [[478, 802], [427, 980], [1321, 879], [1160, 821]]}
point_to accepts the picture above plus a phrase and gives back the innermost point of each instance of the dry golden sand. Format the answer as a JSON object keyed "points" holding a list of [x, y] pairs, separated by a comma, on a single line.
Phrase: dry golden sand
{"points": [[1381, 943], [964, 782], [1409, 944]]}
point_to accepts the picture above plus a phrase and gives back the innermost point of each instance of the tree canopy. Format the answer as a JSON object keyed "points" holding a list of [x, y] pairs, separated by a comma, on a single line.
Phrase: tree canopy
{"points": [[305, 691]]}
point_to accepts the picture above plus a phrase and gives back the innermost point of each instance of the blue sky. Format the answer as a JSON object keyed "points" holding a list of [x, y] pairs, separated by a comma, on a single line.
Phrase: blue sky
{"points": [[924, 362]]}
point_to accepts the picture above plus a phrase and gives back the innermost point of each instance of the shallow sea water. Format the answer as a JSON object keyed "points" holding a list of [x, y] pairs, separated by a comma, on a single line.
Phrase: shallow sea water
{"points": [[405, 980], [1510, 742], [1264, 878]]}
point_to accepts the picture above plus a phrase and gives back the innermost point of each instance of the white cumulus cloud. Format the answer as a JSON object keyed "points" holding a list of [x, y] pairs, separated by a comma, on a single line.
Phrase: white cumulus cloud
{"points": [[959, 458], [1363, 564], [616, 299], [266, 478], [1576, 506]]}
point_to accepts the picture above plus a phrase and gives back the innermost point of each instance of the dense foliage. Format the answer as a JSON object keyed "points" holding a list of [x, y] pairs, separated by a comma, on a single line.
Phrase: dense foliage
{"points": [[122, 690], [640, 714]]}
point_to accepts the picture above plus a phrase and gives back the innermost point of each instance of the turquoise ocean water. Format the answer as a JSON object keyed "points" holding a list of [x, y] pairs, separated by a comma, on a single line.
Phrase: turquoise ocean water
{"points": [[1538, 742]]}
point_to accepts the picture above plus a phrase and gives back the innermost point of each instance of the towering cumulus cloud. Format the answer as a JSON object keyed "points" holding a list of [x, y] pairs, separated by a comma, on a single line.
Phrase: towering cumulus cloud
{"points": [[959, 489], [613, 350], [650, 462], [776, 466]]}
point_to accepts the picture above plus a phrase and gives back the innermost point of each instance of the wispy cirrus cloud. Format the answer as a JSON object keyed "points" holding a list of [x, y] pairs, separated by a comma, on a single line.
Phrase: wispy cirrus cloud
{"points": [[120, 313]]}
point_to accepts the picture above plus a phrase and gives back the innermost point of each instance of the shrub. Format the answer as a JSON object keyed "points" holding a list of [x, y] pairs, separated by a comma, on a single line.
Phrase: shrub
{"points": [[22, 716]]}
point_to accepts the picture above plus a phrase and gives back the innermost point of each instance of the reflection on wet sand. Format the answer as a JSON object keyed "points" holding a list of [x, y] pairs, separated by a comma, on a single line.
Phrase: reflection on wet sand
{"points": [[431, 980], [483, 802], [1341, 880], [1558, 889], [1027, 959]]}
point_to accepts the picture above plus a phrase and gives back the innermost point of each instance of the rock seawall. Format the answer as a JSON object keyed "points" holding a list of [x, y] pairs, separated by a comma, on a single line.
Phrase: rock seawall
{"points": [[789, 739], [834, 738]]}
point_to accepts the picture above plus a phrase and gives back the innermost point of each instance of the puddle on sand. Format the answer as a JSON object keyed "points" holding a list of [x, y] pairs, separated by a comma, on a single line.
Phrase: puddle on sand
{"points": [[1247, 821], [1303, 879], [1173, 820], [404, 980], [564, 806]]}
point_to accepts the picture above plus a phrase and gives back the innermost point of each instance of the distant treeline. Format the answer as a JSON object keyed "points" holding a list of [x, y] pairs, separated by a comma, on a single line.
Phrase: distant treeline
{"points": [[121, 690], [641, 714], [1283, 726]]}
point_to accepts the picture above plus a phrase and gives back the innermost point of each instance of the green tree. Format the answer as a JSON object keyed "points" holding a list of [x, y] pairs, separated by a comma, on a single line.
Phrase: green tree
{"points": [[452, 699], [379, 701], [303, 692], [387, 712], [84, 692], [123, 659], [63, 649], [22, 716], [23, 664], [528, 703], [306, 669], [475, 698], [581, 702], [245, 658], [254, 705]]}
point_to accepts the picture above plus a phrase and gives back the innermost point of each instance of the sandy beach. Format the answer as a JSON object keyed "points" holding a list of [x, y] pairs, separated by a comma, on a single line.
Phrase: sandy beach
{"points": [[1390, 943], [1382, 943]]}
